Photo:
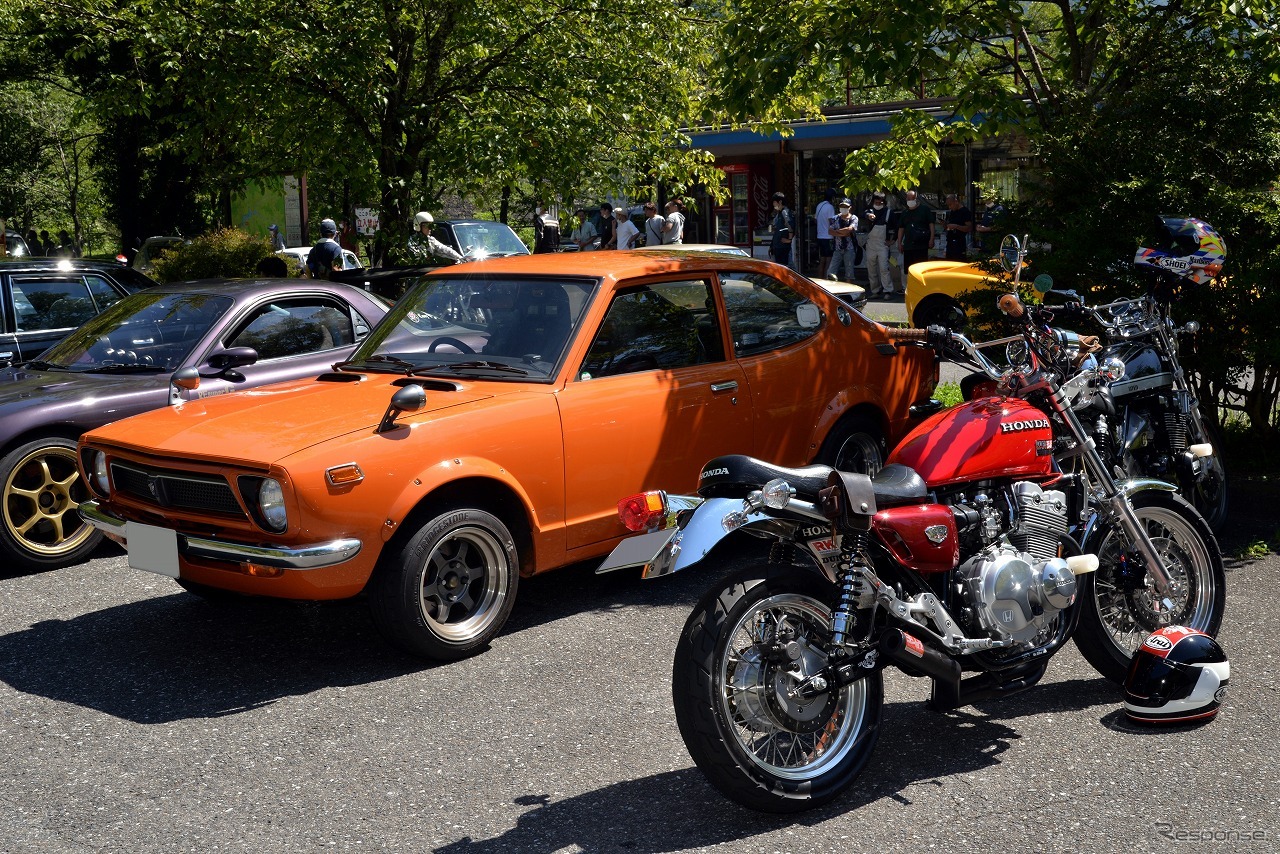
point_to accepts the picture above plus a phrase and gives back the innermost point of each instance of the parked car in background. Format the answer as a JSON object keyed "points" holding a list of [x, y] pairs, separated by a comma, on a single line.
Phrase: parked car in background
{"points": [[479, 238], [854, 296], [297, 258], [721, 248], [237, 334], [934, 287], [151, 249], [488, 427], [15, 245], [41, 300]]}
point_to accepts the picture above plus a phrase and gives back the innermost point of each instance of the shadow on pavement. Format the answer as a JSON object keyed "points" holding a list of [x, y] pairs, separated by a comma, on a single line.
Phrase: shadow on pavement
{"points": [[679, 810]]}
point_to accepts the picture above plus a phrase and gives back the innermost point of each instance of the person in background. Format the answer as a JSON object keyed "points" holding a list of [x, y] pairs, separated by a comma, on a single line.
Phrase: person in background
{"points": [[326, 255], [915, 233], [584, 235], [33, 242], [66, 246], [988, 223], [654, 223], [625, 231], [673, 228], [277, 239], [843, 228], [547, 231], [958, 228], [273, 267], [423, 245], [822, 216], [782, 231], [879, 229], [608, 239], [47, 247]]}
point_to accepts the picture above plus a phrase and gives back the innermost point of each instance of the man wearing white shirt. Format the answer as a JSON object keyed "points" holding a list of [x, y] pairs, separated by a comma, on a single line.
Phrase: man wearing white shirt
{"points": [[826, 243]]}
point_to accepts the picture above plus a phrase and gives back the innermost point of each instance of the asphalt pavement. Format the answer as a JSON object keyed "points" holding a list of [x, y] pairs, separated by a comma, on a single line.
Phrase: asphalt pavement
{"points": [[135, 717]]}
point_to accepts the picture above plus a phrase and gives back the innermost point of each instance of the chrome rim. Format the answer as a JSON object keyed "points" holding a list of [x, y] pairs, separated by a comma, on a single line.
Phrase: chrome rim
{"points": [[860, 453], [790, 738], [41, 497], [464, 583], [1126, 597]]}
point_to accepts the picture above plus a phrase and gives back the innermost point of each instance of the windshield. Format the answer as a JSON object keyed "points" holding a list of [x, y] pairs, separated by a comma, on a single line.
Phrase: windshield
{"points": [[488, 238], [508, 329], [146, 331]]}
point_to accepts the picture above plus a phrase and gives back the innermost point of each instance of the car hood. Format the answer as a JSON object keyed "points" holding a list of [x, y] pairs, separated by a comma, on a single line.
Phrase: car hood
{"points": [[267, 424], [79, 397]]}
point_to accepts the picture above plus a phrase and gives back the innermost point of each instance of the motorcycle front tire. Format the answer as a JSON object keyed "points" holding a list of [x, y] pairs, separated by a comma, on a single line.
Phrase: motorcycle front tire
{"points": [[1118, 601], [759, 748]]}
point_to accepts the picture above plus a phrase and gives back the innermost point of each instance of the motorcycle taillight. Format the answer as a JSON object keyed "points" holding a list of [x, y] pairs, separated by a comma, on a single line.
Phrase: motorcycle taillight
{"points": [[643, 511]]}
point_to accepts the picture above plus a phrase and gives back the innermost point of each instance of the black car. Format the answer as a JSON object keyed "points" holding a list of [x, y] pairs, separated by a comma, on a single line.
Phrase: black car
{"points": [[43, 299]]}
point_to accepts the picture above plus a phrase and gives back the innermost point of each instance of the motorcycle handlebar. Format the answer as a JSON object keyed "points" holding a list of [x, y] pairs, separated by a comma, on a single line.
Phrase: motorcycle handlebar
{"points": [[944, 340]]}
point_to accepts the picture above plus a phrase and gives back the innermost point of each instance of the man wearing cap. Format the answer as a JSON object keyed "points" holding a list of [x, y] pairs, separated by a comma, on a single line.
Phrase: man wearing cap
{"points": [[277, 242], [878, 229], [625, 230], [843, 228], [326, 255]]}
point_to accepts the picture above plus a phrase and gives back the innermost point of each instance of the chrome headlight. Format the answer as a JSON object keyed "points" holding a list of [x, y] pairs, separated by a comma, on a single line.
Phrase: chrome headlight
{"points": [[271, 504], [100, 480], [1111, 369]]}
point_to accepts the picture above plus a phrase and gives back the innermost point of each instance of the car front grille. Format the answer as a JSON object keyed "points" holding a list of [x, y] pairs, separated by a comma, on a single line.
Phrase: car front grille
{"points": [[181, 490]]}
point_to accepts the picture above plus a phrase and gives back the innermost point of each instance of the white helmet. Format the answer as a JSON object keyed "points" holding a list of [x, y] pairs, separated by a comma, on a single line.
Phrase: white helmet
{"points": [[421, 217], [1178, 675]]}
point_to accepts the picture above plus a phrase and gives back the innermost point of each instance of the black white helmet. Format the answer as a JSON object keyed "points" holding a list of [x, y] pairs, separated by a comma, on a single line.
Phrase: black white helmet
{"points": [[420, 217], [1178, 675]]}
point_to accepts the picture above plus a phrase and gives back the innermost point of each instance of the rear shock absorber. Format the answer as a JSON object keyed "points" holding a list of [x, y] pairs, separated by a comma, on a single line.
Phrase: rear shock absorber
{"points": [[853, 547]]}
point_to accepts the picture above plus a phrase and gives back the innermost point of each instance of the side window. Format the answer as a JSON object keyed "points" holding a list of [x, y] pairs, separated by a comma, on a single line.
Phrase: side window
{"points": [[665, 325], [50, 304], [294, 327], [103, 293], [765, 314]]}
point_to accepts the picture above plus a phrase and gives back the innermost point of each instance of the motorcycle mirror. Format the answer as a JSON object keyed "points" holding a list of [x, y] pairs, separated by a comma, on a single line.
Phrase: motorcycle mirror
{"points": [[1043, 283], [1010, 253]]}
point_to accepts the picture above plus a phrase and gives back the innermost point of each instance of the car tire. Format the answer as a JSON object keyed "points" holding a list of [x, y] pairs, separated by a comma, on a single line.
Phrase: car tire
{"points": [[939, 310], [855, 444], [446, 591], [42, 528]]}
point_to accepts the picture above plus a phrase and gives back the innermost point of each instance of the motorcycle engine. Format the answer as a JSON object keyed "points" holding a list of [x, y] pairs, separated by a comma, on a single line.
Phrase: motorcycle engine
{"points": [[1017, 584]]}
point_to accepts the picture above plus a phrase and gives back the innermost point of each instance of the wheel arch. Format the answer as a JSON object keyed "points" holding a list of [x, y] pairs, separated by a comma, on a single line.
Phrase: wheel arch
{"points": [[863, 411], [930, 300], [63, 430], [483, 492]]}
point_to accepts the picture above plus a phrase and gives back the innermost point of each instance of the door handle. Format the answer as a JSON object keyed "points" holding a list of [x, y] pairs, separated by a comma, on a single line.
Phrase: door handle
{"points": [[731, 385]]}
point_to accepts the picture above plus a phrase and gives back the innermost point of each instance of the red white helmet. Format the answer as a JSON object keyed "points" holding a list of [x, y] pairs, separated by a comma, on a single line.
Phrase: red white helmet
{"points": [[1178, 675]]}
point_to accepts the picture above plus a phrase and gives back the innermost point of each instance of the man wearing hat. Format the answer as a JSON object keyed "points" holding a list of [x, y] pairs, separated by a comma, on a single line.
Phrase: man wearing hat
{"points": [[878, 229], [843, 228], [326, 255], [277, 242]]}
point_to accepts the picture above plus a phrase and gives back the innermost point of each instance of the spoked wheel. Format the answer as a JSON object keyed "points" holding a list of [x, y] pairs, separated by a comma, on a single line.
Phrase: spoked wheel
{"points": [[854, 445], [42, 494], [448, 591], [1120, 603], [739, 667]]}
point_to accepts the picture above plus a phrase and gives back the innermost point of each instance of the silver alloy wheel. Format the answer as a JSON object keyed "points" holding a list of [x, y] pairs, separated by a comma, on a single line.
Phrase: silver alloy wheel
{"points": [[464, 583], [1128, 605], [790, 739]]}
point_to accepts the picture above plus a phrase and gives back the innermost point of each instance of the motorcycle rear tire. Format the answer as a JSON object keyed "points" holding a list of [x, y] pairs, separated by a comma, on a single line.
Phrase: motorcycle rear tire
{"points": [[818, 759], [1113, 619]]}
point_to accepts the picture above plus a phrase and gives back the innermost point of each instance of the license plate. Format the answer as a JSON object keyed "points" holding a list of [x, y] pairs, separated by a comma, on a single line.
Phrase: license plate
{"points": [[637, 551], [152, 549]]}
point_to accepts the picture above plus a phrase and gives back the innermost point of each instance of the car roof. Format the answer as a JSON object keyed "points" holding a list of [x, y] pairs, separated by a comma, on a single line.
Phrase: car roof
{"points": [[251, 287], [612, 263]]}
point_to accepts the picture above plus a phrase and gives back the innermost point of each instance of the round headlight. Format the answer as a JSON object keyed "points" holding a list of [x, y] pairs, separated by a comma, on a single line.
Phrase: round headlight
{"points": [[1111, 369], [271, 503], [100, 480]]}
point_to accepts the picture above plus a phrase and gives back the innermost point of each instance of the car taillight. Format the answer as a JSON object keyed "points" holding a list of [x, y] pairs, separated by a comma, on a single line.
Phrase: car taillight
{"points": [[644, 511]]}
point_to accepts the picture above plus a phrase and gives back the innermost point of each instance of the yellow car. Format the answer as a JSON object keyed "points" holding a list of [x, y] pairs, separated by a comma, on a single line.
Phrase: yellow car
{"points": [[933, 288]]}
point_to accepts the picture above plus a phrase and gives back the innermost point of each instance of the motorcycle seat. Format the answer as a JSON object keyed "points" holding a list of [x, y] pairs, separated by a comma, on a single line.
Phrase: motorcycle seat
{"points": [[734, 475]]}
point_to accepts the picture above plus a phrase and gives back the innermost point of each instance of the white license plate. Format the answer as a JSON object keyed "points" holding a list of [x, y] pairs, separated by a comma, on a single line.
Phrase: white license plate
{"points": [[152, 549]]}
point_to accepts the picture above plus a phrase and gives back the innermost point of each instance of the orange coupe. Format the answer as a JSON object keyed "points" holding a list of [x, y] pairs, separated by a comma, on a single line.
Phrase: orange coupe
{"points": [[486, 429]]}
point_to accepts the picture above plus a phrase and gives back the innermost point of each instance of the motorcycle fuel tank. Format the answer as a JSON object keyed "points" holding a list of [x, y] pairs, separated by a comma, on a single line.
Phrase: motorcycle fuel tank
{"points": [[1143, 368], [988, 438]]}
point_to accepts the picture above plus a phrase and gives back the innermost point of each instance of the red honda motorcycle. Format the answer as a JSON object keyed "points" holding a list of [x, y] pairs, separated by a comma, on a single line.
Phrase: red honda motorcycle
{"points": [[993, 536]]}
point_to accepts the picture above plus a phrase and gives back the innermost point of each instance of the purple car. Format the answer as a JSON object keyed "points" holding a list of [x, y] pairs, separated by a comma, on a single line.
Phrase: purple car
{"points": [[234, 334]]}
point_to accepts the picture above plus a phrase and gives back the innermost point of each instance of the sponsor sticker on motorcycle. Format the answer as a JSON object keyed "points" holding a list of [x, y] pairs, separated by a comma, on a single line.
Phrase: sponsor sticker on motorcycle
{"points": [[913, 645]]}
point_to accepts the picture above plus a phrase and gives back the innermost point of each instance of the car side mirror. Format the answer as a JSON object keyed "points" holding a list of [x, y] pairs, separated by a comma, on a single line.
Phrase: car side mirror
{"points": [[808, 315], [186, 379], [233, 357], [411, 398]]}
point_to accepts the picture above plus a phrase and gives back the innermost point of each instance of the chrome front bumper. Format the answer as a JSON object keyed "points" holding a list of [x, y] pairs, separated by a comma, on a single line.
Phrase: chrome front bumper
{"points": [[304, 557]]}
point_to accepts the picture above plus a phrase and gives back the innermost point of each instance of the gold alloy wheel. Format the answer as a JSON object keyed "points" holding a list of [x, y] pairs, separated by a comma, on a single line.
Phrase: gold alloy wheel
{"points": [[41, 495]]}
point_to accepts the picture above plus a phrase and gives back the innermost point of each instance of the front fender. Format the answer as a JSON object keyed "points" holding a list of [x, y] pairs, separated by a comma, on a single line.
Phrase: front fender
{"points": [[1127, 488], [448, 471]]}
